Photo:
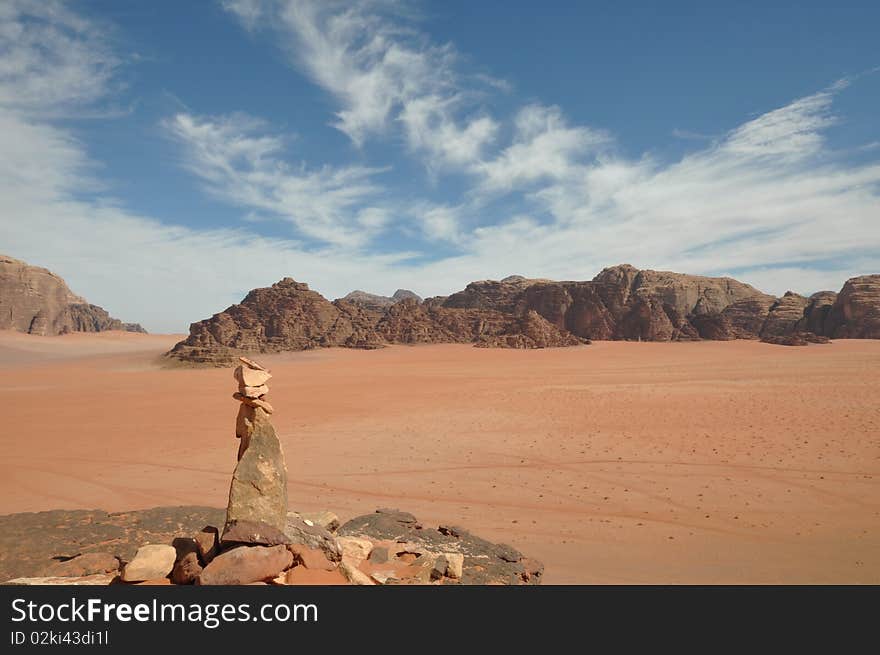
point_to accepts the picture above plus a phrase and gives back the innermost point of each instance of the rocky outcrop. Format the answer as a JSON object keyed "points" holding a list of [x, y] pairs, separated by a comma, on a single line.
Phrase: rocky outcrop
{"points": [[377, 303], [784, 316], [621, 302], [855, 313], [286, 316], [388, 546], [816, 313], [36, 301]]}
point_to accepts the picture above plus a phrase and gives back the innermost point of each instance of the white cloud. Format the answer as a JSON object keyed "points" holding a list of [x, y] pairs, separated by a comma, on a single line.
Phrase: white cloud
{"points": [[243, 164], [50, 59], [382, 72], [544, 148]]}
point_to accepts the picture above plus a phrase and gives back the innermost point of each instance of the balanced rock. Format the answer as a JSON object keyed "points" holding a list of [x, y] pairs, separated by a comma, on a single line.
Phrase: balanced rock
{"points": [[150, 562], [251, 377], [254, 402], [259, 484], [254, 392], [246, 564], [251, 364]]}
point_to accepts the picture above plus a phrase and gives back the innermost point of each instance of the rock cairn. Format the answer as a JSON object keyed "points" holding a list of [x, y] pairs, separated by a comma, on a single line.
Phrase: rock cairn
{"points": [[258, 492]]}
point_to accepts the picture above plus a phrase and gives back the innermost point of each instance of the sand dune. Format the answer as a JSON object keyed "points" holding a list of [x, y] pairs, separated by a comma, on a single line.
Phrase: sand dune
{"points": [[710, 462]]}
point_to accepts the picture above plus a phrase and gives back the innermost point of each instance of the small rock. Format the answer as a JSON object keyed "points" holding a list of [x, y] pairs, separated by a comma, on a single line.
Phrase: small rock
{"points": [[254, 392], [249, 377], [454, 565], [86, 564], [379, 555], [183, 546], [251, 364], [355, 548], [311, 558], [254, 402], [384, 577], [313, 536], [246, 564], [438, 570], [253, 532], [150, 562], [207, 543], [187, 569], [354, 575]]}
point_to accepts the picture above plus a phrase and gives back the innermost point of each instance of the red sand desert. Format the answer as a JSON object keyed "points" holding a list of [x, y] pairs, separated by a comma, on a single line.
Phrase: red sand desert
{"points": [[708, 462]]}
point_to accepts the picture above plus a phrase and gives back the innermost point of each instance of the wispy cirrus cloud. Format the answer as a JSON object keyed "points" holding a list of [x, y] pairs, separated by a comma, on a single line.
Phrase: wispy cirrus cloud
{"points": [[241, 162], [383, 73]]}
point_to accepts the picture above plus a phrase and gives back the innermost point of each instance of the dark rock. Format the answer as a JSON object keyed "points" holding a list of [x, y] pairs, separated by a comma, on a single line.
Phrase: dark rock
{"points": [[208, 543], [312, 536], [379, 555], [30, 541], [183, 546], [187, 569], [483, 561]]}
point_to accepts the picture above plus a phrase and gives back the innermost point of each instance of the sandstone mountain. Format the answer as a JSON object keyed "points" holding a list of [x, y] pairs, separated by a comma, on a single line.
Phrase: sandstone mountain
{"points": [[621, 302], [36, 301], [379, 303]]}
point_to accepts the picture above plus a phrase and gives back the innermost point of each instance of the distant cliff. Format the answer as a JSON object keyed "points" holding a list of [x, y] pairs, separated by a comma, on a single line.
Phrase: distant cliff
{"points": [[621, 302], [36, 301]]}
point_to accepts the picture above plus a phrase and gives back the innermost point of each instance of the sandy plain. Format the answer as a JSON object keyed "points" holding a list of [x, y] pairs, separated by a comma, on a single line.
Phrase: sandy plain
{"points": [[709, 462]]}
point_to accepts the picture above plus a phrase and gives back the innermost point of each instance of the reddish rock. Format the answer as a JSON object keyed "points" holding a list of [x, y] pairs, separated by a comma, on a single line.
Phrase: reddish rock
{"points": [[784, 316], [816, 313], [311, 558], [207, 543], [246, 564], [856, 310], [36, 301], [621, 302]]}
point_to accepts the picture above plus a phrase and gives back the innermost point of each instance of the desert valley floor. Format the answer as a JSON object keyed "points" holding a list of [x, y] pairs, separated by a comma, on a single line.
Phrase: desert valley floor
{"points": [[706, 462]]}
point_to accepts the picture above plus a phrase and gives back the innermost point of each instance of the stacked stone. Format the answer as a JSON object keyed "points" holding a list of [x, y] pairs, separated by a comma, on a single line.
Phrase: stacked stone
{"points": [[252, 388]]}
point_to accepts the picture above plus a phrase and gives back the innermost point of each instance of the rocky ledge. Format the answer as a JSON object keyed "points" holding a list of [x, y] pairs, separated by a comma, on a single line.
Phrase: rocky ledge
{"points": [[182, 545]]}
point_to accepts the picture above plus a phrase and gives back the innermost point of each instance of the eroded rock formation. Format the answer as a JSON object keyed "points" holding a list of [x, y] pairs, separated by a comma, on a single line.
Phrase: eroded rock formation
{"points": [[621, 302], [36, 301]]}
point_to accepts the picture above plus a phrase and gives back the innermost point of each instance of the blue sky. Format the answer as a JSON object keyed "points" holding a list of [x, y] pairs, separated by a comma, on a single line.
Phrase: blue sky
{"points": [[167, 157]]}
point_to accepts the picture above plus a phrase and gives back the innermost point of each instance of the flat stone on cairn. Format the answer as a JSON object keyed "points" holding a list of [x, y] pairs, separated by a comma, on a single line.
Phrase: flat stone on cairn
{"points": [[258, 493]]}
